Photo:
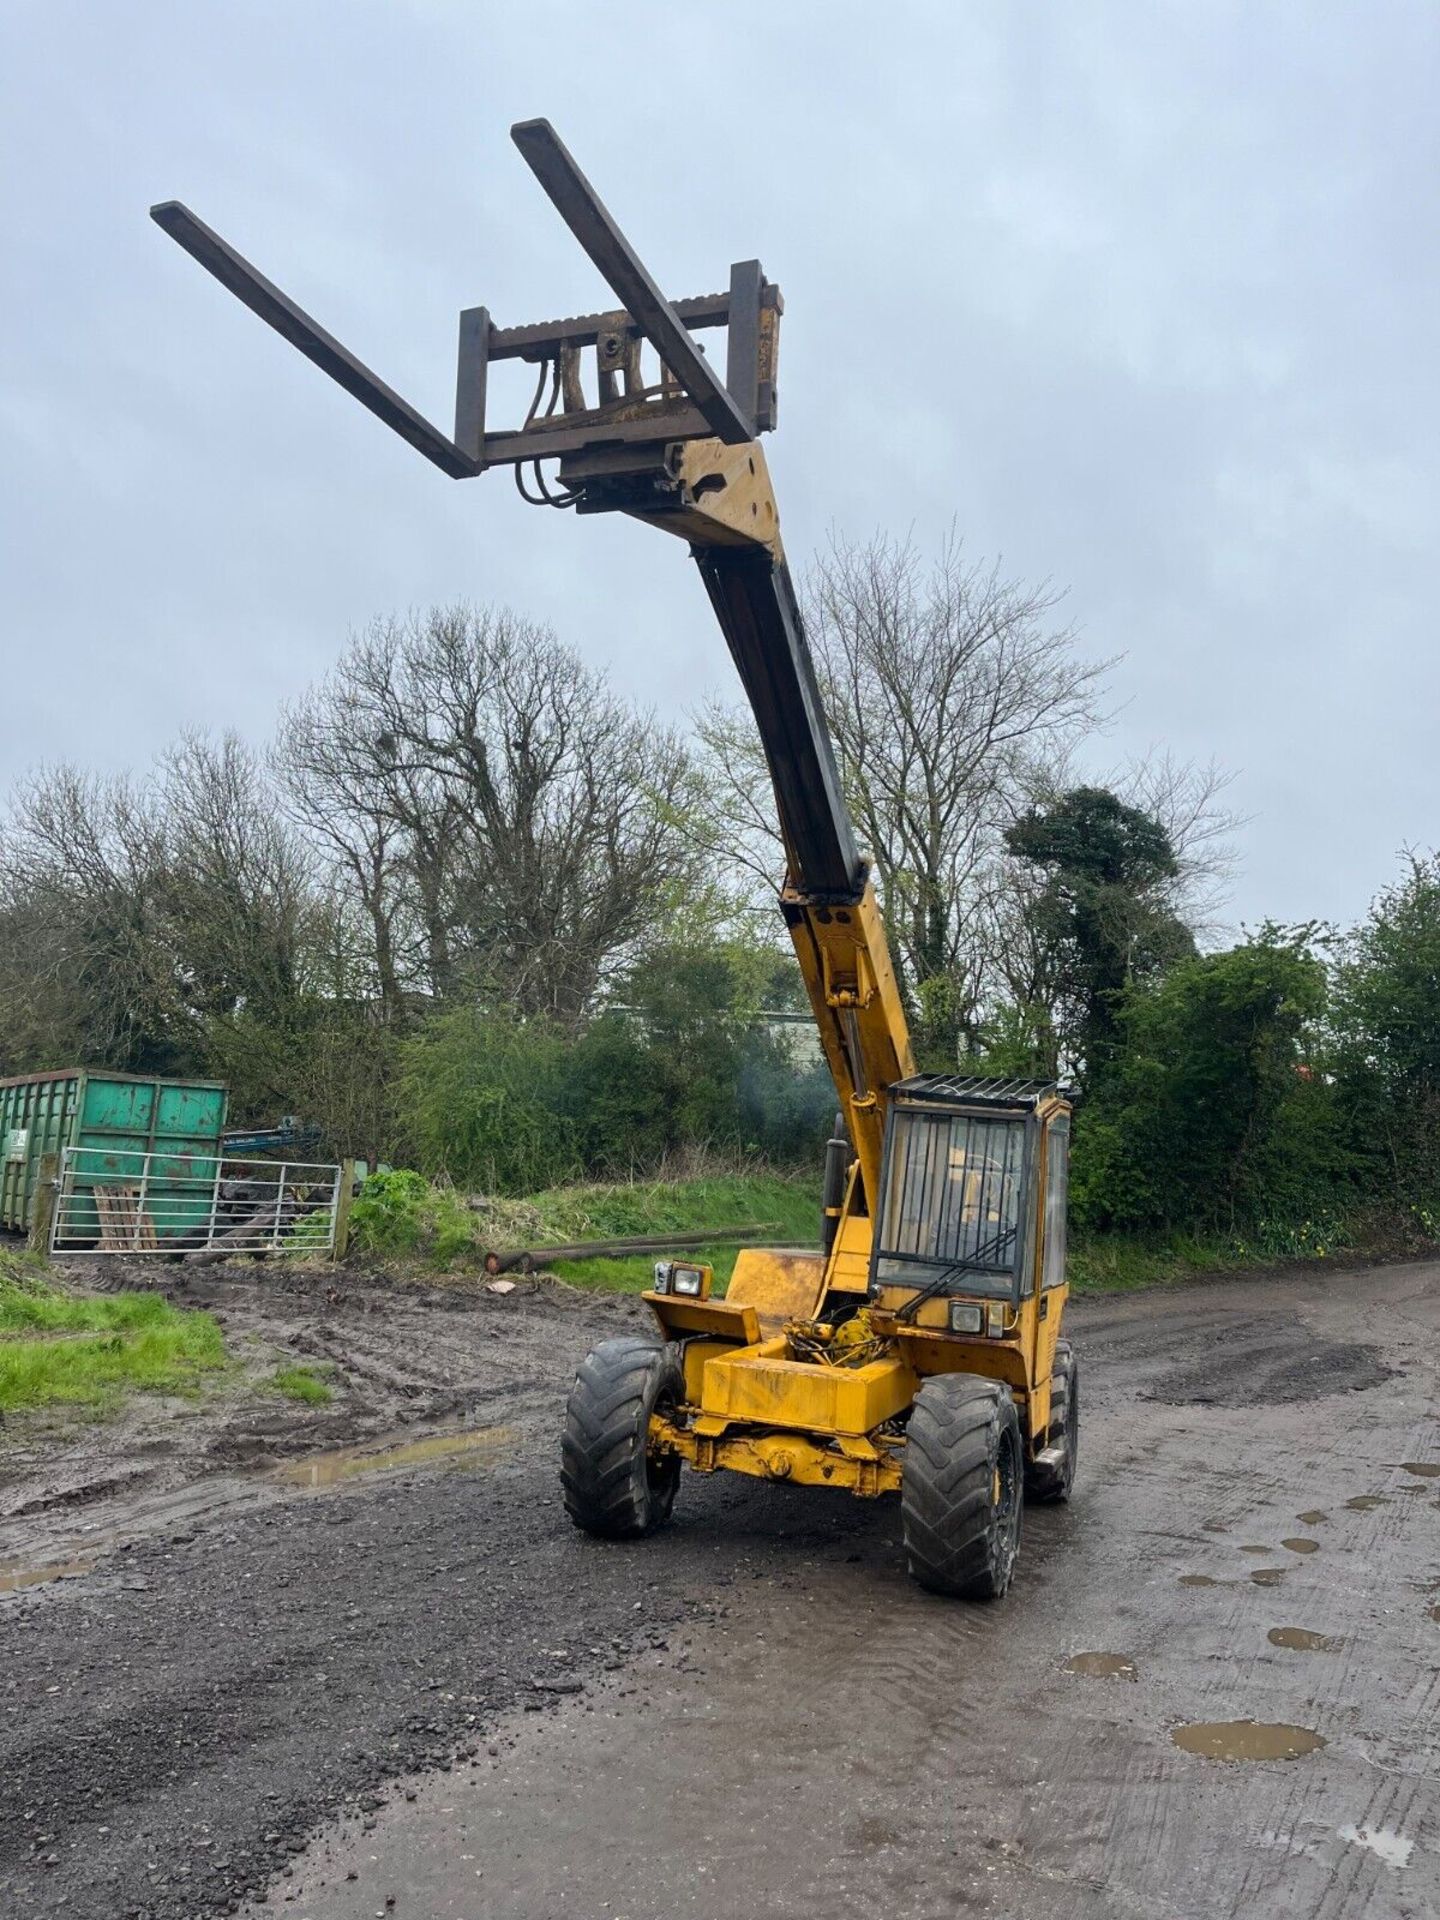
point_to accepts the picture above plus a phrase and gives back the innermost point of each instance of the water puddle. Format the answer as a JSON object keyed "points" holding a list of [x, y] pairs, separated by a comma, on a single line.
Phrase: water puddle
{"points": [[477, 1446], [1201, 1580], [1393, 1848], [1246, 1740], [1253, 1549], [1363, 1502], [1423, 1469], [1302, 1640], [1268, 1576], [1301, 1546], [1435, 1615], [15, 1574], [1102, 1666], [1214, 1526], [1312, 1519]]}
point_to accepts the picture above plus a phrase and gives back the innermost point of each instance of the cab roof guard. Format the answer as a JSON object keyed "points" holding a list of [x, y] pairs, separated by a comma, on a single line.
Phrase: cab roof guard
{"points": [[978, 1090]]}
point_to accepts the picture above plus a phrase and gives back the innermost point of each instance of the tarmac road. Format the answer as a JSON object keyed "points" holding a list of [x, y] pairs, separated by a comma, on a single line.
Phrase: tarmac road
{"points": [[756, 1712]]}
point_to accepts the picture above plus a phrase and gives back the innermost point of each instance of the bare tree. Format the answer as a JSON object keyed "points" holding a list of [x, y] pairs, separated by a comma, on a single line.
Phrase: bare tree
{"points": [[86, 969], [946, 686], [566, 795], [238, 887], [335, 782], [494, 802], [1187, 797]]}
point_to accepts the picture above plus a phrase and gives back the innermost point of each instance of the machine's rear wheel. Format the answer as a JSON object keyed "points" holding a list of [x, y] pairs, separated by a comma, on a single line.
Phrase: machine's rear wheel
{"points": [[1052, 1478], [961, 1493], [614, 1486]]}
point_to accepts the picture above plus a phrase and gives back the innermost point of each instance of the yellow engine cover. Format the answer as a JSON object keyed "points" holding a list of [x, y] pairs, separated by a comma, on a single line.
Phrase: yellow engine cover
{"points": [[759, 1386]]}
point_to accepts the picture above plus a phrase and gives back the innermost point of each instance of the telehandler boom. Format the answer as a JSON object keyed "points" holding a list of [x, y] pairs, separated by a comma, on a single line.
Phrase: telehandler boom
{"points": [[919, 1351]]}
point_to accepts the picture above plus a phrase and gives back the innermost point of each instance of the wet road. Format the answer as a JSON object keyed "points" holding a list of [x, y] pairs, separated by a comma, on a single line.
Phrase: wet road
{"points": [[1254, 1539]]}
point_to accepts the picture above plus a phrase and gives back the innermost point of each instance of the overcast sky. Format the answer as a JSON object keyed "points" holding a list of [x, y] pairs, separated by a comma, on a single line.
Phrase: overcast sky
{"points": [[1142, 296]]}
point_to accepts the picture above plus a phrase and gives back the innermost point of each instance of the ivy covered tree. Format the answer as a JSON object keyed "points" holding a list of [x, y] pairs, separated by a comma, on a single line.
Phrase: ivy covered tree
{"points": [[1101, 917]]}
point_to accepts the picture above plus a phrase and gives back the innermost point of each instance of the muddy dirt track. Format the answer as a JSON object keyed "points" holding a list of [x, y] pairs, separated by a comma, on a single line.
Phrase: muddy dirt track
{"points": [[419, 1686]]}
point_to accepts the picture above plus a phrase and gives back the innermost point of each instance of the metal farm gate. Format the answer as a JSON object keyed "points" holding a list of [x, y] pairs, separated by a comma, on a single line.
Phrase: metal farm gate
{"points": [[110, 1201]]}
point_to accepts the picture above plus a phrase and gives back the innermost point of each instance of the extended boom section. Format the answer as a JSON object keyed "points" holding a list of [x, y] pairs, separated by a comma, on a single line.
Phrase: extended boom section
{"points": [[920, 1348]]}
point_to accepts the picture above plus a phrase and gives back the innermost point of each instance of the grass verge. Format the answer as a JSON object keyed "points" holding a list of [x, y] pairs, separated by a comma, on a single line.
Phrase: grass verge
{"points": [[636, 1272], [682, 1207], [398, 1213], [70, 1349], [1120, 1263]]}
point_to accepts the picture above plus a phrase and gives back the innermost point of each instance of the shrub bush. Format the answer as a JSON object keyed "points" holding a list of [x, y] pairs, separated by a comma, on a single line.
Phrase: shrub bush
{"points": [[1212, 1114]]}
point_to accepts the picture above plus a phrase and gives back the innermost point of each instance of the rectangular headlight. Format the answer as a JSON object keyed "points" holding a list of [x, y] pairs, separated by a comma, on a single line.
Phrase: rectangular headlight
{"points": [[685, 1277], [965, 1317]]}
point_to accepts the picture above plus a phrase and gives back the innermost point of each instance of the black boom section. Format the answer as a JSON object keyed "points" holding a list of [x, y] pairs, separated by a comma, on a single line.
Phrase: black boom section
{"points": [[755, 604]]}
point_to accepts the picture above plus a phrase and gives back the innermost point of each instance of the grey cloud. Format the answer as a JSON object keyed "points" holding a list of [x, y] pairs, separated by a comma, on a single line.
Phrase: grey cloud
{"points": [[1140, 298]]}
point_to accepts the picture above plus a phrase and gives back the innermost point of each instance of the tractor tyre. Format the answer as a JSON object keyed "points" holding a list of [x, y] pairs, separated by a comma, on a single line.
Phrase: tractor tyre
{"points": [[615, 1488], [961, 1493], [1051, 1481]]}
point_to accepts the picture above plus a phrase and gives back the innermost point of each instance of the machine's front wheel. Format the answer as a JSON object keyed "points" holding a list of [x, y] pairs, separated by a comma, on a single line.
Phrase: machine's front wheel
{"points": [[1051, 1476], [961, 1493], [615, 1487]]}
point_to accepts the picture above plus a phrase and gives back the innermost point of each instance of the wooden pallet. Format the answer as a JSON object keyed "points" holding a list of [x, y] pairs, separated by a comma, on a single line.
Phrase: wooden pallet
{"points": [[123, 1227]]}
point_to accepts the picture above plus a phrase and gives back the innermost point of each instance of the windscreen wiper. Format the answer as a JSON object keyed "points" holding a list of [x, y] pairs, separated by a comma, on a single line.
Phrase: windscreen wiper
{"points": [[932, 1287]]}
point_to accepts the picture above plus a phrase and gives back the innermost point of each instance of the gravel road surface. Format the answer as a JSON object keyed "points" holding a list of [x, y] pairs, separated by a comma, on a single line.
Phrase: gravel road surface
{"points": [[410, 1689]]}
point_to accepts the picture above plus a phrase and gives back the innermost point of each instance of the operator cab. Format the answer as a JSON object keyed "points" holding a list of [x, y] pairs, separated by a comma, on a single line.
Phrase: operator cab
{"points": [[958, 1216]]}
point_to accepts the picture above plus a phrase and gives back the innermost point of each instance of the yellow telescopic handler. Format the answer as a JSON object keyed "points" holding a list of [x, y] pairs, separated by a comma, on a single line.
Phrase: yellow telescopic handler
{"points": [[919, 1351]]}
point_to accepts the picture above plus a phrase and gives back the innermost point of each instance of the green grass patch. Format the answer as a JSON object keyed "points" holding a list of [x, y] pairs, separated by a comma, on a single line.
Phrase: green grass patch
{"points": [[681, 1207], [636, 1272], [302, 1383], [401, 1214], [645, 1208], [86, 1350]]}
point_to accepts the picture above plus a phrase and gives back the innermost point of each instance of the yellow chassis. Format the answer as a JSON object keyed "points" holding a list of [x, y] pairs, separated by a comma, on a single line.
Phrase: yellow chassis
{"points": [[753, 1410], [855, 1461]]}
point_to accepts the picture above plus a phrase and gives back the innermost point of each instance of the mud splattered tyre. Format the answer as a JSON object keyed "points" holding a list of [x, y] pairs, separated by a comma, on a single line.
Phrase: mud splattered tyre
{"points": [[961, 1492], [614, 1487], [1051, 1477]]}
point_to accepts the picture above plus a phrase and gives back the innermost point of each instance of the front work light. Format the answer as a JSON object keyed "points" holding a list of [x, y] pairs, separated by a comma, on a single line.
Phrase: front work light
{"points": [[965, 1317], [678, 1276]]}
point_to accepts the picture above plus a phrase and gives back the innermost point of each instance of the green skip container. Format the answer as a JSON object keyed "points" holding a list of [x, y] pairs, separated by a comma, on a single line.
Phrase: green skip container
{"points": [[122, 1117]]}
